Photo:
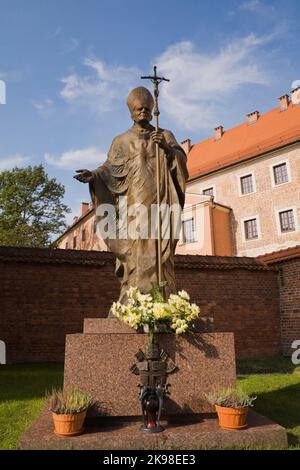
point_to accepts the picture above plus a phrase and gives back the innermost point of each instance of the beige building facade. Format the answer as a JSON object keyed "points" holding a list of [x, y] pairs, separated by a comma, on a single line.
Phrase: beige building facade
{"points": [[205, 229], [254, 168], [82, 234], [267, 203]]}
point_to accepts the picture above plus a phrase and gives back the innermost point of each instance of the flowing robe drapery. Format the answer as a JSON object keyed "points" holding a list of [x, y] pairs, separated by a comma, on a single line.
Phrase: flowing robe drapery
{"points": [[130, 171]]}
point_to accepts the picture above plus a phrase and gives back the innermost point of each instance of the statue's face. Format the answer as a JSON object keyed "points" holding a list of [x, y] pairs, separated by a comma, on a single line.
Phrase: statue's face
{"points": [[141, 111]]}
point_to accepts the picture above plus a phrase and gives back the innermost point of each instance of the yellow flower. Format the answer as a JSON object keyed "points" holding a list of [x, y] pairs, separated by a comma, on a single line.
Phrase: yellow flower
{"points": [[160, 311]]}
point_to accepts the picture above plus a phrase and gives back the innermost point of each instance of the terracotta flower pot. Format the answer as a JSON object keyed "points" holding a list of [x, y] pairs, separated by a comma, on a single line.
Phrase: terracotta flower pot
{"points": [[68, 425], [232, 418]]}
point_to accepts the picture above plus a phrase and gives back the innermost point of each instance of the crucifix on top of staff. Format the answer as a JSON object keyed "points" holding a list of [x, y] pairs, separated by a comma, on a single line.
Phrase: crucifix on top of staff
{"points": [[156, 80]]}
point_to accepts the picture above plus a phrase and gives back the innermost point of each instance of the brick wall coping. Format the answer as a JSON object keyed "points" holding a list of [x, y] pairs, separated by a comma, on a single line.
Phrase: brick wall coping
{"points": [[101, 258], [280, 255]]}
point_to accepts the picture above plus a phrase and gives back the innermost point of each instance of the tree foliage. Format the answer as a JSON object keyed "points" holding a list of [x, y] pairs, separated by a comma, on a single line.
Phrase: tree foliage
{"points": [[31, 207]]}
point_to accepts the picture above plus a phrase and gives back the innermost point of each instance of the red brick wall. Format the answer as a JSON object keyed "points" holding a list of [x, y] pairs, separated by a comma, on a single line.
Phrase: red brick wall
{"points": [[45, 294], [287, 263], [41, 302], [289, 279], [243, 301]]}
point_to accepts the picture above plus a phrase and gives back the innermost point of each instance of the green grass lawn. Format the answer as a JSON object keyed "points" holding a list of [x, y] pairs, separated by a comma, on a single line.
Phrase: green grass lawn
{"points": [[276, 382], [22, 396]]}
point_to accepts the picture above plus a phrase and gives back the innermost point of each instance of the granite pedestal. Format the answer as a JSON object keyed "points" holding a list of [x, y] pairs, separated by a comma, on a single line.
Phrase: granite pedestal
{"points": [[98, 361]]}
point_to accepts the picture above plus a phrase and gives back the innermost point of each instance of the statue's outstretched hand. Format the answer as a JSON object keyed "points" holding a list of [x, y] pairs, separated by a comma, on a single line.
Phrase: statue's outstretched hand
{"points": [[84, 176]]}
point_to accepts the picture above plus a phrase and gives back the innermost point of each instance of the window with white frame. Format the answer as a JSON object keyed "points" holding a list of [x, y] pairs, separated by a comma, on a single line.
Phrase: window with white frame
{"points": [[280, 173], [188, 230], [287, 220], [247, 184], [208, 191], [251, 229]]}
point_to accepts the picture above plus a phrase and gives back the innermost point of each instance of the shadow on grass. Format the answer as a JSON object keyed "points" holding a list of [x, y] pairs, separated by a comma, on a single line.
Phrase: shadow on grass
{"points": [[282, 406], [29, 381], [267, 365]]}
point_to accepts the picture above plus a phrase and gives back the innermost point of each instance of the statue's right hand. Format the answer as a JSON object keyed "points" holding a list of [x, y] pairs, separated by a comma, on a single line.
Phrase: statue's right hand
{"points": [[84, 176]]}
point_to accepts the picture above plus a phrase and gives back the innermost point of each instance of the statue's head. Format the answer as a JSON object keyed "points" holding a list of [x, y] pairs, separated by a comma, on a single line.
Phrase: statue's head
{"points": [[140, 103]]}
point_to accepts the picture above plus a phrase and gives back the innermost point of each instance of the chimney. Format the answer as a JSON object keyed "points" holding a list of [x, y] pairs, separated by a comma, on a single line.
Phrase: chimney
{"points": [[84, 208], [253, 117], [186, 145], [295, 95], [219, 131], [284, 101]]}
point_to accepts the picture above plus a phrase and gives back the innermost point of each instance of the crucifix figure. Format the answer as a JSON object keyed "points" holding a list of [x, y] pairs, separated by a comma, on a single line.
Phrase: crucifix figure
{"points": [[145, 167]]}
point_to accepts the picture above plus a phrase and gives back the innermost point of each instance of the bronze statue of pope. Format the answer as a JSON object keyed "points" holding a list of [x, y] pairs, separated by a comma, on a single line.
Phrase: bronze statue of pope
{"points": [[129, 172]]}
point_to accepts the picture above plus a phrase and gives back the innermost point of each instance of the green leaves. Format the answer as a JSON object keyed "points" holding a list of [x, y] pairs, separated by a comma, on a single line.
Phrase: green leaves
{"points": [[156, 292], [230, 397], [69, 401], [31, 207]]}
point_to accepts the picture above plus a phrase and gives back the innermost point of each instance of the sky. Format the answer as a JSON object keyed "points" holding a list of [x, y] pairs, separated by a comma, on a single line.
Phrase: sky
{"points": [[68, 66]]}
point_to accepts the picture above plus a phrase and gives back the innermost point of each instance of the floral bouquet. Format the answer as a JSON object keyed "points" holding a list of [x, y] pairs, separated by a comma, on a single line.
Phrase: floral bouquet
{"points": [[153, 313]]}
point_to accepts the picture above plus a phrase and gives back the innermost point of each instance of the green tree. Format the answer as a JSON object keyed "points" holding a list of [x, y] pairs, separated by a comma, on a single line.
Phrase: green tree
{"points": [[31, 207]]}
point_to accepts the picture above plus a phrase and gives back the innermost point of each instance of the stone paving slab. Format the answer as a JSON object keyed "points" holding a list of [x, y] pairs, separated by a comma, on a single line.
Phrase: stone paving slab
{"points": [[187, 433]]}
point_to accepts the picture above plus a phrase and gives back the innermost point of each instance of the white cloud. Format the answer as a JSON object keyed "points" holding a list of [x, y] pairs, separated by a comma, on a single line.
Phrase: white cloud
{"points": [[267, 11], [100, 87], [55, 33], [12, 161], [70, 46], [77, 158], [201, 82], [295, 84], [41, 105], [45, 108], [251, 5]]}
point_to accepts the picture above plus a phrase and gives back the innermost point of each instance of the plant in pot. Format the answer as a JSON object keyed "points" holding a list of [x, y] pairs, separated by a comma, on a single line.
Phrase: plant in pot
{"points": [[232, 405], [69, 408]]}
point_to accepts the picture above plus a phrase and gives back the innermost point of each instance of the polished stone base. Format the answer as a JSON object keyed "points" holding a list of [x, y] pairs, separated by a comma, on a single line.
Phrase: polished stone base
{"points": [[98, 361], [188, 433]]}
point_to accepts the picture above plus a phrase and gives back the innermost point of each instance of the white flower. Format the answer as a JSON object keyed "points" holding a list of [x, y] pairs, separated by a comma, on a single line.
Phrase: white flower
{"points": [[181, 329], [141, 309], [184, 295]]}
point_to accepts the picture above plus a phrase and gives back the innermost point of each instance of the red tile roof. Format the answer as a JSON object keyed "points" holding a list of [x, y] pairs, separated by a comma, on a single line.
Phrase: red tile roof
{"points": [[272, 130], [281, 255]]}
